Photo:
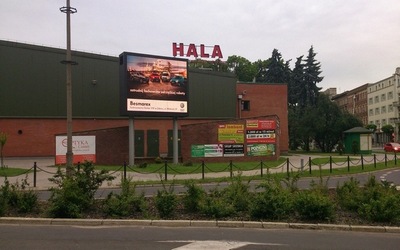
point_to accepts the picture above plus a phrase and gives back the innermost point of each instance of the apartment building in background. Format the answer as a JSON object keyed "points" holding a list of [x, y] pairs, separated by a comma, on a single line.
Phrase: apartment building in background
{"points": [[355, 102], [375, 103], [383, 106]]}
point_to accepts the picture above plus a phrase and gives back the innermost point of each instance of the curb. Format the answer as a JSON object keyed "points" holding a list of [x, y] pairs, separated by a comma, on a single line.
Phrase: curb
{"points": [[194, 223]]}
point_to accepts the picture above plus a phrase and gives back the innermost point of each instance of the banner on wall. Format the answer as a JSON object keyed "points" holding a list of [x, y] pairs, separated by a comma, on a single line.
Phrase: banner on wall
{"points": [[260, 149], [233, 150], [260, 131], [83, 148], [231, 133]]}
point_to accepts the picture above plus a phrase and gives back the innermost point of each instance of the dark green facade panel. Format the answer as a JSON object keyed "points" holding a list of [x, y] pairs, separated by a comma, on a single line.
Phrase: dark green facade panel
{"points": [[33, 84]]}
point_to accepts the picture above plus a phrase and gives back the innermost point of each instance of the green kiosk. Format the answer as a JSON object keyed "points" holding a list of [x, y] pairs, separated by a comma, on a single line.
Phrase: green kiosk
{"points": [[358, 140]]}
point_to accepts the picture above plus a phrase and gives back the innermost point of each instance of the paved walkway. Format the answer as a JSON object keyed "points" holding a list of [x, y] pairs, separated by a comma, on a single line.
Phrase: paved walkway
{"points": [[46, 170]]}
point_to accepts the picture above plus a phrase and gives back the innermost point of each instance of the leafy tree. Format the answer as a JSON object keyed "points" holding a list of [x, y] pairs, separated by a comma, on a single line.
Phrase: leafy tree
{"points": [[261, 69], [216, 65], [330, 122], [244, 70], [371, 127], [388, 130]]}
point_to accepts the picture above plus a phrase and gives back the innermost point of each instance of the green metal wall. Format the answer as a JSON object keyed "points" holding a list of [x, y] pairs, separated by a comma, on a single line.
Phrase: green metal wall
{"points": [[33, 84]]}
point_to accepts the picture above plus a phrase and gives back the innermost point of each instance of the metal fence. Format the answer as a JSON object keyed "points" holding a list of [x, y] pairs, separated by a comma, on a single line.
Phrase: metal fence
{"points": [[201, 170]]}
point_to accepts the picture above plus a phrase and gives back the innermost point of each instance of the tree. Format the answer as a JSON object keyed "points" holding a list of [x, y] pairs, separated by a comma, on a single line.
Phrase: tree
{"points": [[244, 70], [388, 130], [312, 71], [371, 127], [3, 140], [276, 71], [216, 65], [295, 83]]}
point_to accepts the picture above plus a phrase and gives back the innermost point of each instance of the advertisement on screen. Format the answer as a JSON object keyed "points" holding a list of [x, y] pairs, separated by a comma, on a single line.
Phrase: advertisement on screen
{"points": [[153, 85]]}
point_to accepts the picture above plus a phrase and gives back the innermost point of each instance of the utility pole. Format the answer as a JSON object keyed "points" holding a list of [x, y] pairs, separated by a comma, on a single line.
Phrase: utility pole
{"points": [[69, 155]]}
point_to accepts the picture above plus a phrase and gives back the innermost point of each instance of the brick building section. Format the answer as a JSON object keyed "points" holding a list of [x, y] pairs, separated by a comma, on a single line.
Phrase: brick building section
{"points": [[207, 133], [266, 99], [35, 137]]}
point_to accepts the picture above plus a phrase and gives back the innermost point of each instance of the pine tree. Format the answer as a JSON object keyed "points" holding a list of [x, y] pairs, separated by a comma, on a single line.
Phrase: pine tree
{"points": [[312, 71]]}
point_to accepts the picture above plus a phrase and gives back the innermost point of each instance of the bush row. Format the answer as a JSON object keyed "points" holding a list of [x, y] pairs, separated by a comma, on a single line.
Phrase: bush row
{"points": [[274, 200]]}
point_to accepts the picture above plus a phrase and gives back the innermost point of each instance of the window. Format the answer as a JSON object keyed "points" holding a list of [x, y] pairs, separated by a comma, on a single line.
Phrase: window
{"points": [[370, 101], [390, 109], [383, 97], [245, 105], [377, 111], [390, 95], [371, 112], [383, 122], [383, 110], [376, 99]]}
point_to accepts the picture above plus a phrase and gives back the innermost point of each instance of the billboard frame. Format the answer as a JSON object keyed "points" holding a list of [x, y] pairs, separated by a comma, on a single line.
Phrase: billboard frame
{"points": [[141, 99]]}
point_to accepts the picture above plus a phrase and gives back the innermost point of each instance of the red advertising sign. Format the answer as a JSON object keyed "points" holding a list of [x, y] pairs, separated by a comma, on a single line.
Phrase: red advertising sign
{"points": [[179, 50], [260, 124], [260, 131]]}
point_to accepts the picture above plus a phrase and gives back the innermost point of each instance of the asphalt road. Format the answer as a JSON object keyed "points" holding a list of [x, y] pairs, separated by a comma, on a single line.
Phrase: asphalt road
{"points": [[13, 237]]}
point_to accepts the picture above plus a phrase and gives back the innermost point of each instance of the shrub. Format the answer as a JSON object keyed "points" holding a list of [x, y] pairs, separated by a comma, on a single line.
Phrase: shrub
{"points": [[349, 195], [216, 206], [75, 194], [274, 202], [383, 209], [165, 203], [68, 201], [313, 205], [380, 202], [194, 197], [158, 160], [17, 197], [125, 204], [237, 193]]}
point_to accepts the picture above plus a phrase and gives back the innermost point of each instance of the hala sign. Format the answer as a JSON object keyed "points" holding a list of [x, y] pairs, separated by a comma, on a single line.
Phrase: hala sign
{"points": [[196, 51]]}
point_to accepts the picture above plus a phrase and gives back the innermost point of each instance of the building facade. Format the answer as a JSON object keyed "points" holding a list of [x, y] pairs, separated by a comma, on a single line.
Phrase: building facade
{"points": [[383, 106], [33, 104], [354, 102]]}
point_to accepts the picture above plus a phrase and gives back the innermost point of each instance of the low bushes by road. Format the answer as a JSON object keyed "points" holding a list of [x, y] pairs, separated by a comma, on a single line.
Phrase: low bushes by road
{"points": [[274, 200]]}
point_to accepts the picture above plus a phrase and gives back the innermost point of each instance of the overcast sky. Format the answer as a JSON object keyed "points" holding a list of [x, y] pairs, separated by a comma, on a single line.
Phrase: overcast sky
{"points": [[356, 41]]}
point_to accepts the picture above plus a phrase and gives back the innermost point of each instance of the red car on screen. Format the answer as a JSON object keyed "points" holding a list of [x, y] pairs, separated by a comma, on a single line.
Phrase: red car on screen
{"points": [[392, 147], [154, 77]]}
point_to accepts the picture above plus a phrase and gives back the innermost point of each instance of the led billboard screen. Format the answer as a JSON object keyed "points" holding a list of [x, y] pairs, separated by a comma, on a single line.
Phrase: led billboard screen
{"points": [[153, 85]]}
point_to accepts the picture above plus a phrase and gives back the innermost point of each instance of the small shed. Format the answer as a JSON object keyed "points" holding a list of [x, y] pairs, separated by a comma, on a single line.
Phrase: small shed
{"points": [[358, 140]]}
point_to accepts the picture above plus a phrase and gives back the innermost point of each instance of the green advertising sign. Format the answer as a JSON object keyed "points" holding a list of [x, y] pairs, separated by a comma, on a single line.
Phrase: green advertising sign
{"points": [[260, 149], [197, 150]]}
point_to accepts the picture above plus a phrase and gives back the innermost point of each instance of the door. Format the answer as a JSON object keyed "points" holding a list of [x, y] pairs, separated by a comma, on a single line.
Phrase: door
{"points": [[153, 143], [170, 143], [139, 143]]}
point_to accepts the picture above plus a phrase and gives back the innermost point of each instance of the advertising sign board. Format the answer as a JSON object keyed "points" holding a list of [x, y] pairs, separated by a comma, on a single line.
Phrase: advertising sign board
{"points": [[83, 148], [260, 131], [231, 133], [260, 149], [153, 85]]}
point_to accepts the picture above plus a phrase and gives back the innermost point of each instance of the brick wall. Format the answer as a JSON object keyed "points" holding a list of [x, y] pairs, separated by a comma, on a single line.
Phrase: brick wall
{"points": [[207, 133]]}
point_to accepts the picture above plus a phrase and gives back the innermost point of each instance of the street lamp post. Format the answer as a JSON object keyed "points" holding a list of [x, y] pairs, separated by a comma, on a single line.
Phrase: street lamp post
{"points": [[69, 155]]}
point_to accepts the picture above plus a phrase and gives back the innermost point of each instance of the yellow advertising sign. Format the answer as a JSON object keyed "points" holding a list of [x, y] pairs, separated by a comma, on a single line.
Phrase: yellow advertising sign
{"points": [[231, 133]]}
